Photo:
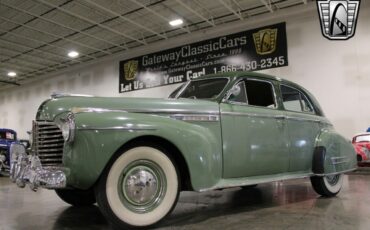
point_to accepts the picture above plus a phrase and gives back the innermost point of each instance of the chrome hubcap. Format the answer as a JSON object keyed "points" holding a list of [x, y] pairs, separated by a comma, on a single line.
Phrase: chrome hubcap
{"points": [[140, 186], [333, 180]]}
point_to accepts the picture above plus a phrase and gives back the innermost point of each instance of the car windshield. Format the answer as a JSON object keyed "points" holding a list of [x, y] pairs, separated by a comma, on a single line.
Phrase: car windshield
{"points": [[363, 138], [7, 135], [204, 89]]}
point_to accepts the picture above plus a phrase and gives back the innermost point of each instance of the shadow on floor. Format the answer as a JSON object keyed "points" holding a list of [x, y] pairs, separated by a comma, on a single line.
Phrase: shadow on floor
{"points": [[194, 207]]}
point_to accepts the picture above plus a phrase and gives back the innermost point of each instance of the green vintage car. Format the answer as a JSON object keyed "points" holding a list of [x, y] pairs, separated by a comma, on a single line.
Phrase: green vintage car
{"points": [[133, 156]]}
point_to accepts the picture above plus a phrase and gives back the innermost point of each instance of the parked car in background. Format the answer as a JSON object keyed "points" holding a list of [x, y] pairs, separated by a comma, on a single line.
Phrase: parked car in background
{"points": [[134, 155], [7, 137], [361, 142]]}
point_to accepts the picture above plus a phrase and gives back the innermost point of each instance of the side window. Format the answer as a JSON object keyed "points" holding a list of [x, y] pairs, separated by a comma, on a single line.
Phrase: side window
{"points": [[238, 94], [260, 93], [294, 100]]}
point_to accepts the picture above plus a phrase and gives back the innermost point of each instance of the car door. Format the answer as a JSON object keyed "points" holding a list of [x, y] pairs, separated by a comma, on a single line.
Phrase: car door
{"points": [[253, 131], [303, 127]]}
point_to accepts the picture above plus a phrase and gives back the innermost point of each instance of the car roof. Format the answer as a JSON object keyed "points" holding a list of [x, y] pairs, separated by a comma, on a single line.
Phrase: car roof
{"points": [[7, 130], [362, 134], [244, 74], [241, 74]]}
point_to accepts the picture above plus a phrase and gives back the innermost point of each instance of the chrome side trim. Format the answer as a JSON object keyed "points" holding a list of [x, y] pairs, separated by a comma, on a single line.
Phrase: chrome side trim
{"points": [[77, 110], [123, 128], [59, 95], [339, 160], [250, 181], [249, 115], [301, 119], [335, 173], [195, 117]]}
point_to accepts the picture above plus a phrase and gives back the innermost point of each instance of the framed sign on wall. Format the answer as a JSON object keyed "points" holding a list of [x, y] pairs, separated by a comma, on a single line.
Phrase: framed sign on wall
{"points": [[257, 49]]}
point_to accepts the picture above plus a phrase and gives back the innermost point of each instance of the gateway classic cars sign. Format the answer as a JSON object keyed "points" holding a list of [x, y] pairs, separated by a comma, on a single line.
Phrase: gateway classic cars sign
{"points": [[251, 50]]}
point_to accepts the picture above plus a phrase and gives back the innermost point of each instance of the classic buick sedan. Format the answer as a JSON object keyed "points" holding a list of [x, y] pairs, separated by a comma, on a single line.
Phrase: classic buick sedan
{"points": [[134, 156]]}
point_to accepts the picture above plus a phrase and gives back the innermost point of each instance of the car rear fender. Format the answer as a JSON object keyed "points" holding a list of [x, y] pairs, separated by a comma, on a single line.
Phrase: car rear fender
{"points": [[333, 154]]}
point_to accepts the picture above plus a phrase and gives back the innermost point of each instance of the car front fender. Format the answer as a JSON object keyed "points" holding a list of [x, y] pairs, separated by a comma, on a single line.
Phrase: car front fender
{"points": [[98, 136]]}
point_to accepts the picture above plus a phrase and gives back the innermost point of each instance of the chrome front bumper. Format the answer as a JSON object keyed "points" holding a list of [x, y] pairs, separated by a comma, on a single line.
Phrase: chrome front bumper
{"points": [[27, 169]]}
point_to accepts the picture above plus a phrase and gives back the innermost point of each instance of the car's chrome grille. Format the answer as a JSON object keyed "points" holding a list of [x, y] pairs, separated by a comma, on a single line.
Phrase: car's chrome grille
{"points": [[48, 143]]}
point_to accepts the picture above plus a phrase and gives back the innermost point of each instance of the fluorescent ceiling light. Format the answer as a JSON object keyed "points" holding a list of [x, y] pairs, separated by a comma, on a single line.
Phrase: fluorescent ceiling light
{"points": [[73, 54], [176, 22], [12, 74]]}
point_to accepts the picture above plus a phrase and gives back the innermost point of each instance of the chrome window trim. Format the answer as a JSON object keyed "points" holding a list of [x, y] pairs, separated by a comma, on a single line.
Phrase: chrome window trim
{"points": [[304, 95]]}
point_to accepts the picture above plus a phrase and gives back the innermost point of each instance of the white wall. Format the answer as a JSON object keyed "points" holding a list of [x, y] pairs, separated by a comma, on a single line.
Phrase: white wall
{"points": [[336, 72]]}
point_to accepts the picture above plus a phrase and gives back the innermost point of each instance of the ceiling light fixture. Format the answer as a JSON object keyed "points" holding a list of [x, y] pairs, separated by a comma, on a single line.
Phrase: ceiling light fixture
{"points": [[12, 74], [73, 54], [176, 22]]}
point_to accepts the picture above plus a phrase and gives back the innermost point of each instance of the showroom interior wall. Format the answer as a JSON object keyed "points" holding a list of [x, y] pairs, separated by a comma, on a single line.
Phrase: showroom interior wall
{"points": [[336, 72]]}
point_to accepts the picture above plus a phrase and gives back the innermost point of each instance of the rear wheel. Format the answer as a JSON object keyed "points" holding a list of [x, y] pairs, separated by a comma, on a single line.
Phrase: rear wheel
{"points": [[77, 197], [139, 188], [327, 186]]}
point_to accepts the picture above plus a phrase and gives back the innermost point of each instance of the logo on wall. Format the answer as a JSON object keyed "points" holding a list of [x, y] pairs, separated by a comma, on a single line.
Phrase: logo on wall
{"points": [[338, 18], [131, 69], [265, 41]]}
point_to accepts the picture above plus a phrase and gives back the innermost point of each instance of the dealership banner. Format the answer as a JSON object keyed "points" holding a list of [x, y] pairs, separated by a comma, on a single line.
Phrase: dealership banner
{"points": [[257, 49]]}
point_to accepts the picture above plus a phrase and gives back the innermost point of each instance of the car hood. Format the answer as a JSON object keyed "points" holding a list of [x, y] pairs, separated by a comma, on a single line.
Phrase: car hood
{"points": [[56, 106], [5, 143]]}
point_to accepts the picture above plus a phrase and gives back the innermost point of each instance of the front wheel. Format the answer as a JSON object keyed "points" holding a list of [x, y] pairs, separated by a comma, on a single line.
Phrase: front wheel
{"points": [[139, 188], [327, 186]]}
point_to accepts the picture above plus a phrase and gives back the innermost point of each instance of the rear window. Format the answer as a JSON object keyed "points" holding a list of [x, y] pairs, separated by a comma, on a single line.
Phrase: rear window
{"points": [[294, 100]]}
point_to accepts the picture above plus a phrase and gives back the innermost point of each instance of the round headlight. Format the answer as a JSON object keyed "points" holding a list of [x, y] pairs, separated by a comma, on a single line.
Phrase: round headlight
{"points": [[68, 128], [66, 131], [31, 138]]}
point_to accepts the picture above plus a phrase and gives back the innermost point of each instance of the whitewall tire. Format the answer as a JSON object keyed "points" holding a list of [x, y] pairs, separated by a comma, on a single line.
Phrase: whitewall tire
{"points": [[327, 186], [139, 188]]}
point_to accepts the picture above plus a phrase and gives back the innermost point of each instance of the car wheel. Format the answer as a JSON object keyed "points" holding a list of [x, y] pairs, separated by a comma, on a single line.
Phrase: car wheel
{"points": [[139, 188], [77, 197], [327, 186]]}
